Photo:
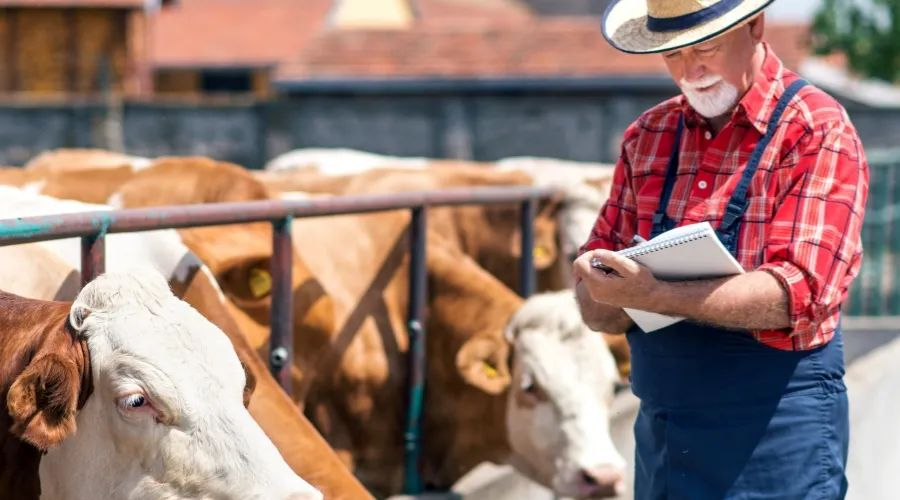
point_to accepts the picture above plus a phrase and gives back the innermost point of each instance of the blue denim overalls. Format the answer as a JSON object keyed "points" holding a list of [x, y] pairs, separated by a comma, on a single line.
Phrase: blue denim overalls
{"points": [[725, 416]]}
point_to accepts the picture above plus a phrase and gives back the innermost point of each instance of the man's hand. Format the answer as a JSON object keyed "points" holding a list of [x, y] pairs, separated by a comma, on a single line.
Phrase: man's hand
{"points": [[750, 301], [630, 285]]}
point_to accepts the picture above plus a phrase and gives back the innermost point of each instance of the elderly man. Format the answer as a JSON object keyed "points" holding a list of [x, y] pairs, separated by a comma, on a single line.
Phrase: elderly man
{"points": [[745, 398]]}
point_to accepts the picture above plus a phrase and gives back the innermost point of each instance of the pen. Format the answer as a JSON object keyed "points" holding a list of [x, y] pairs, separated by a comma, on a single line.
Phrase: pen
{"points": [[596, 264]]}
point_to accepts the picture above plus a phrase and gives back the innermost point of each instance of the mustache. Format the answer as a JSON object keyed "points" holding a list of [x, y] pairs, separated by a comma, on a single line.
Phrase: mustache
{"points": [[706, 81]]}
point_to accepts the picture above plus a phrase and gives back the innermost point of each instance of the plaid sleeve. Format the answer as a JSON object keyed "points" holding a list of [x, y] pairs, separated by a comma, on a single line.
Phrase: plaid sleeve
{"points": [[813, 247], [617, 220]]}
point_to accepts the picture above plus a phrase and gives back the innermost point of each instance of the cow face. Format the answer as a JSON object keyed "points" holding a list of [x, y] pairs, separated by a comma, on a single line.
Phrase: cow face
{"points": [[558, 406], [166, 418]]}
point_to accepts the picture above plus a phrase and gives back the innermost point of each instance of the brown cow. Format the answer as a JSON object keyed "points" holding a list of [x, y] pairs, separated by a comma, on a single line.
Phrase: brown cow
{"points": [[238, 255], [489, 234], [91, 185], [67, 159]]}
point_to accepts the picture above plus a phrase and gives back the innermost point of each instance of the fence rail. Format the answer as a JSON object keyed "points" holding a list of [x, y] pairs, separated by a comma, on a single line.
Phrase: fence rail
{"points": [[92, 228], [876, 290]]}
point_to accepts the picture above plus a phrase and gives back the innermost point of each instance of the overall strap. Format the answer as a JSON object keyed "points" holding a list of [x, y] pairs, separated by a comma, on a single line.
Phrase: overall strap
{"points": [[661, 221], [737, 205]]}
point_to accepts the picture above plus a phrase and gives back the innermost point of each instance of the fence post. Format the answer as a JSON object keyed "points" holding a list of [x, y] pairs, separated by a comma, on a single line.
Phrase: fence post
{"points": [[412, 438], [281, 341], [93, 257], [526, 262]]}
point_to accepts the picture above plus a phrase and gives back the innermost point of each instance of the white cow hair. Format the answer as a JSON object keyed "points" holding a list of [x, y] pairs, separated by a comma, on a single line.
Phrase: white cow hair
{"points": [[341, 161], [553, 313], [138, 286]]}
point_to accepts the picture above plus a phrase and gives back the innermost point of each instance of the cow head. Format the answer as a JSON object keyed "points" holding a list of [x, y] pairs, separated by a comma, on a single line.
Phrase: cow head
{"points": [[166, 418], [558, 404]]}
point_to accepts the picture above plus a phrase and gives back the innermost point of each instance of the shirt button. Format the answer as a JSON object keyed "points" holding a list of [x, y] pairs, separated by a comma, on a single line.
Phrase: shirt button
{"points": [[702, 184], [708, 135]]}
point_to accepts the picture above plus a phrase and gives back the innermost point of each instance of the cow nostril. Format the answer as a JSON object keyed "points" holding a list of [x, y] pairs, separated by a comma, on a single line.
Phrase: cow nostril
{"points": [[606, 480]]}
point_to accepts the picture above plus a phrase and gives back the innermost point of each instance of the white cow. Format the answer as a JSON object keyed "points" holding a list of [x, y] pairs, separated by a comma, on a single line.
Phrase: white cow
{"points": [[165, 418], [558, 408], [340, 161]]}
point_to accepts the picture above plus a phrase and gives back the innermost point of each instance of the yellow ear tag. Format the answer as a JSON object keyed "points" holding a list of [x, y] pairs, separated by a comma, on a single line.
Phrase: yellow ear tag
{"points": [[260, 282], [489, 370], [540, 252]]}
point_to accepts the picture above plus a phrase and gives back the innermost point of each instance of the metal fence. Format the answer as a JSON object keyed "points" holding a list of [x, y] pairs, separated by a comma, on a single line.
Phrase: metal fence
{"points": [[876, 291], [92, 228]]}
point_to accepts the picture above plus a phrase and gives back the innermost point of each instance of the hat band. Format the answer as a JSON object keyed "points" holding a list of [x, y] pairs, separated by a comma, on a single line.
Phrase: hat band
{"points": [[692, 19]]}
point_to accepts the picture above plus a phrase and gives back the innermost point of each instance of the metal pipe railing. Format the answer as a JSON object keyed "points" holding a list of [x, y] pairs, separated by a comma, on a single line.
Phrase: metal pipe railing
{"points": [[527, 276], [93, 227], [416, 361], [281, 339]]}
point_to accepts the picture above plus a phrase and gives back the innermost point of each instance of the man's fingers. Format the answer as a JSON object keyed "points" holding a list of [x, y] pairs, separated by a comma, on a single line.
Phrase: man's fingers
{"points": [[621, 265]]}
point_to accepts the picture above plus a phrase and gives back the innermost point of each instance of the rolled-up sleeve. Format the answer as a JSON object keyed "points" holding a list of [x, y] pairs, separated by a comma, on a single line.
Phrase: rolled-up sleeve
{"points": [[813, 246]]}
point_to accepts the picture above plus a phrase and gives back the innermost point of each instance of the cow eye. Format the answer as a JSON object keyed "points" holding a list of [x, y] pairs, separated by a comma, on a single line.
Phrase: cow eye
{"points": [[132, 401], [527, 385]]}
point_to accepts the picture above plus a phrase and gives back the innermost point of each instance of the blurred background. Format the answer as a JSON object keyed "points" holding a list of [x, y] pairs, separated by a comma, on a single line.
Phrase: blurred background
{"points": [[244, 81]]}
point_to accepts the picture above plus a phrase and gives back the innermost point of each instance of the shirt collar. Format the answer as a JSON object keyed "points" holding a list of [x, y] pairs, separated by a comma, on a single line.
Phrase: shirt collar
{"points": [[758, 103]]}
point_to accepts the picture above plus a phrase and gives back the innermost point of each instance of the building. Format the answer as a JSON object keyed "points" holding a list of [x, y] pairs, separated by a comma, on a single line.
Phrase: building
{"points": [[74, 47]]}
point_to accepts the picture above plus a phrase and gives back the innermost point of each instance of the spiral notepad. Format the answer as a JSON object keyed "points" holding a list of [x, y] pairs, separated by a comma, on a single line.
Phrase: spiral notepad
{"points": [[684, 253]]}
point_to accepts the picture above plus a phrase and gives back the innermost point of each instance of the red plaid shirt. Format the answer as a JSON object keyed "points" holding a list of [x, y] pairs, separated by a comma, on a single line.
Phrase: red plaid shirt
{"points": [[805, 204]]}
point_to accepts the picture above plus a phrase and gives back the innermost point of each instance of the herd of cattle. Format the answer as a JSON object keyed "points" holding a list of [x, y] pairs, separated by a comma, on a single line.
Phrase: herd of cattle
{"points": [[151, 381], [164, 407]]}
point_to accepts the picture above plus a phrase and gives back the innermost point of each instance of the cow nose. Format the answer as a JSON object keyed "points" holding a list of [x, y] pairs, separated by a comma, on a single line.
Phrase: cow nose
{"points": [[604, 481]]}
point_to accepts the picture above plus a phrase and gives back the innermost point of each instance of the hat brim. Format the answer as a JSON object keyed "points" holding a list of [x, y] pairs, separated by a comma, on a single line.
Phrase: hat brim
{"points": [[625, 27]]}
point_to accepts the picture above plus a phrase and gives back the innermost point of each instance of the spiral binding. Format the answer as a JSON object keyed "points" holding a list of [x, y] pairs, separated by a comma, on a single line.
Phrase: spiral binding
{"points": [[654, 247]]}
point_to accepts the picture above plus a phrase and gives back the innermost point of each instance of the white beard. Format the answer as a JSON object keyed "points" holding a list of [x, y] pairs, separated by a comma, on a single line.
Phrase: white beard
{"points": [[710, 103]]}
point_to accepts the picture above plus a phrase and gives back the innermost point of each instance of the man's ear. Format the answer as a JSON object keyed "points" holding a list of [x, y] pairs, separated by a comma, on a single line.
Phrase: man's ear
{"points": [[758, 27], [483, 363], [42, 401]]}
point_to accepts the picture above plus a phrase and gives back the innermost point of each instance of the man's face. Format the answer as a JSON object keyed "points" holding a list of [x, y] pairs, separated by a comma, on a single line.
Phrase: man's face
{"points": [[714, 74]]}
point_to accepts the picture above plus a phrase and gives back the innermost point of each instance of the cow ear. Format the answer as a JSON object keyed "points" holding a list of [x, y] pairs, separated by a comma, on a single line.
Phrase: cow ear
{"points": [[482, 362], [42, 401]]}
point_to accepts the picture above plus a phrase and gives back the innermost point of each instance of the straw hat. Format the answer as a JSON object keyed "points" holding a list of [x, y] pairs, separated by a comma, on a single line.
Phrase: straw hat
{"points": [[648, 26]]}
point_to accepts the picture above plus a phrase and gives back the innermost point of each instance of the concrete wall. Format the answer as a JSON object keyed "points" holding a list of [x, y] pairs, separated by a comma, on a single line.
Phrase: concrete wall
{"points": [[576, 125]]}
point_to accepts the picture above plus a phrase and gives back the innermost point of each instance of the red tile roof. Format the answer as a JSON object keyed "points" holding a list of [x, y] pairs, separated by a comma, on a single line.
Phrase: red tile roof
{"points": [[536, 47], [540, 48], [230, 33], [451, 38], [471, 12], [126, 4]]}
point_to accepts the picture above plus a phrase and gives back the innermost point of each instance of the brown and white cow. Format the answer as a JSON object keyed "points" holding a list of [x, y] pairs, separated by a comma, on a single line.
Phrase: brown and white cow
{"points": [[154, 390], [50, 270]]}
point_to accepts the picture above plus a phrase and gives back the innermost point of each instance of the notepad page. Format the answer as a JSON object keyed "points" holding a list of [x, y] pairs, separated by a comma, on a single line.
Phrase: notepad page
{"points": [[703, 257]]}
